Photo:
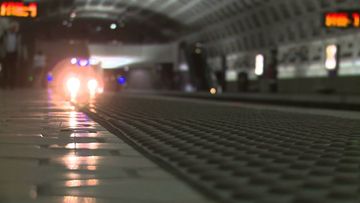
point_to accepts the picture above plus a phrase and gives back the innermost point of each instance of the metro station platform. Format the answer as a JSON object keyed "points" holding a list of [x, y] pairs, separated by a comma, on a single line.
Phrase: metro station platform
{"points": [[51, 152], [150, 148], [324, 101]]}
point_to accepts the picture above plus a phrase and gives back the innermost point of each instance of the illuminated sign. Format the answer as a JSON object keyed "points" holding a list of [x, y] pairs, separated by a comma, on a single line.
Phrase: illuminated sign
{"points": [[259, 64], [18, 9], [331, 57], [343, 19]]}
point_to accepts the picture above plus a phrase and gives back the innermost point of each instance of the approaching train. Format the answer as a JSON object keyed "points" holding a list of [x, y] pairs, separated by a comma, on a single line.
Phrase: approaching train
{"points": [[77, 79]]}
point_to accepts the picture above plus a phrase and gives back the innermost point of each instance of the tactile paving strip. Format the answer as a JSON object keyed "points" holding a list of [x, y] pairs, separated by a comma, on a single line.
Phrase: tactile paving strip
{"points": [[245, 155]]}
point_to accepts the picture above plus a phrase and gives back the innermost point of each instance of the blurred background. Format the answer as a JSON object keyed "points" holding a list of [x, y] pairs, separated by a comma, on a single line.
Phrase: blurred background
{"points": [[232, 46]]}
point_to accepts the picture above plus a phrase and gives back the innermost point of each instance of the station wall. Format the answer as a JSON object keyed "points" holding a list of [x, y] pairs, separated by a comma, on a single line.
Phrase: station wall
{"points": [[124, 55], [301, 66], [57, 50]]}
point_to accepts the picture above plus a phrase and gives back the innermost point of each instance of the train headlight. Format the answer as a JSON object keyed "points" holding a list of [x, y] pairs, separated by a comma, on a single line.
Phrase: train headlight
{"points": [[73, 85], [73, 61], [100, 90], [92, 85]]}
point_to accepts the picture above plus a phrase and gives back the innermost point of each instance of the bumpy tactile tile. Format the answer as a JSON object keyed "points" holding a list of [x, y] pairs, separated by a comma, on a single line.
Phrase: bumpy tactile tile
{"points": [[243, 154]]}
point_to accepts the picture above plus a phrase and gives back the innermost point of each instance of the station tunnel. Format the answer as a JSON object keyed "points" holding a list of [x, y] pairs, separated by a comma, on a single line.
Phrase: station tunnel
{"points": [[197, 101], [201, 45]]}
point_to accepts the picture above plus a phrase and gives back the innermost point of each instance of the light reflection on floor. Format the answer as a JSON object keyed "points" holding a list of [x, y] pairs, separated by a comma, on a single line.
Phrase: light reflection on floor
{"points": [[74, 199], [73, 119], [82, 146], [74, 162], [54, 153], [82, 183]]}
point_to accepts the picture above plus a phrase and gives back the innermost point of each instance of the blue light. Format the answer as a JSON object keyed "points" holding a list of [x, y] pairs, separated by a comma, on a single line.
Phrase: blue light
{"points": [[50, 78], [121, 80], [83, 62]]}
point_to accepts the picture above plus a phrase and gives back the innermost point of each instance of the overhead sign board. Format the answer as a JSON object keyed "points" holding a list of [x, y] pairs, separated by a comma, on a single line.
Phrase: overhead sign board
{"points": [[19, 9], [342, 19]]}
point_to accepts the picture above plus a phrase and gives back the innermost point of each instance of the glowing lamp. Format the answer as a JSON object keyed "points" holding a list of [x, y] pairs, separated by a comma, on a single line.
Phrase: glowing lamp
{"points": [[113, 26], [121, 80], [73, 61], [331, 57], [50, 77], [83, 62], [259, 64], [213, 91], [93, 61]]}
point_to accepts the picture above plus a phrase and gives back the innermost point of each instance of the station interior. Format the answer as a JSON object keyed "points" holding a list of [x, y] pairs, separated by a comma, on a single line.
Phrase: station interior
{"points": [[174, 101]]}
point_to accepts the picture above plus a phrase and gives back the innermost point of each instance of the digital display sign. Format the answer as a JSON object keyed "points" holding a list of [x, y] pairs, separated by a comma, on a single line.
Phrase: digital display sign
{"points": [[18, 9], [342, 19]]}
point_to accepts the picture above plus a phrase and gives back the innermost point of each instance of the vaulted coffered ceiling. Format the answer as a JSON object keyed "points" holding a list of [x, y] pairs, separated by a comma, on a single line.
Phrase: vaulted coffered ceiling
{"points": [[223, 25]]}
